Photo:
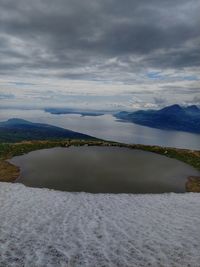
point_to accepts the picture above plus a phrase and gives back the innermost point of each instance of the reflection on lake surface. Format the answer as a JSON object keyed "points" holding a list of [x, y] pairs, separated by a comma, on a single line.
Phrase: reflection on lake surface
{"points": [[108, 128], [103, 170]]}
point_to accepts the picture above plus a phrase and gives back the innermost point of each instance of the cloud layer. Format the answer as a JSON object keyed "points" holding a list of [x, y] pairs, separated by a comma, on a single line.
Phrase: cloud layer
{"points": [[151, 45]]}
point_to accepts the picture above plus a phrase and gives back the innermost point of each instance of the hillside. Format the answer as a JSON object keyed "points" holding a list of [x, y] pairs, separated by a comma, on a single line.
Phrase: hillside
{"points": [[16, 130], [172, 117]]}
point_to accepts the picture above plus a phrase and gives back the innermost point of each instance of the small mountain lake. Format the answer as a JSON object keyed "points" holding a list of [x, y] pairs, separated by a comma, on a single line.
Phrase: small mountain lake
{"points": [[102, 170]]}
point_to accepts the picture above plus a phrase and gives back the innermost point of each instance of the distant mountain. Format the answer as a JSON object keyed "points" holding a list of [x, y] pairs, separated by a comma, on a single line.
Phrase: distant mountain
{"points": [[172, 117], [16, 130], [59, 111]]}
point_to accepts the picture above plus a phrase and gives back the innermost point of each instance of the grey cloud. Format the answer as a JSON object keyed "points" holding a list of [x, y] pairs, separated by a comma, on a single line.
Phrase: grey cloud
{"points": [[159, 101], [6, 96], [195, 100], [22, 83], [180, 89], [76, 39]]}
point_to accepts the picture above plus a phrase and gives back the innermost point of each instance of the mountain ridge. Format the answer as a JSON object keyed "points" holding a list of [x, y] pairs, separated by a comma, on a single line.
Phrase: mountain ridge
{"points": [[174, 117], [16, 130]]}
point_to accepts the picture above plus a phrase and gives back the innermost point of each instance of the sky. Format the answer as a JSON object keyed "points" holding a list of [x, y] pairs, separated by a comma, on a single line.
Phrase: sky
{"points": [[99, 54]]}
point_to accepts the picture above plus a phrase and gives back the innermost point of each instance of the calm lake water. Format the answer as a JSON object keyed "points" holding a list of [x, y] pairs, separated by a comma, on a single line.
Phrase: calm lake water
{"points": [[108, 128], [102, 170]]}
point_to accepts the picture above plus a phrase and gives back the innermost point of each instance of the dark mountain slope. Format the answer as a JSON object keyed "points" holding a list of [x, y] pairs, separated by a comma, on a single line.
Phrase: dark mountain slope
{"points": [[172, 117], [16, 130]]}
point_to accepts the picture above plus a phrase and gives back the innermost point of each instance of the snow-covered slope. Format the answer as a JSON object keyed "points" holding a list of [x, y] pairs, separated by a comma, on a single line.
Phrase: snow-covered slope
{"points": [[39, 227]]}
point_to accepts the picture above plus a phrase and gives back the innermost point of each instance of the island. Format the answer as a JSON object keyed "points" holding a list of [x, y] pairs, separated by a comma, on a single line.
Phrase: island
{"points": [[59, 111]]}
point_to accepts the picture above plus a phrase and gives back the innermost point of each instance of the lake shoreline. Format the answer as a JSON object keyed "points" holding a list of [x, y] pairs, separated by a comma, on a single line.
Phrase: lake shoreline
{"points": [[9, 172]]}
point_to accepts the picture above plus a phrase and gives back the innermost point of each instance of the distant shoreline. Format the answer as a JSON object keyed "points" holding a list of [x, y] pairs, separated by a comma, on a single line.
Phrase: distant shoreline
{"points": [[9, 172]]}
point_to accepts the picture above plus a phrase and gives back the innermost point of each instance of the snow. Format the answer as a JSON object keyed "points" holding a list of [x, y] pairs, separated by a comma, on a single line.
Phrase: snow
{"points": [[41, 227]]}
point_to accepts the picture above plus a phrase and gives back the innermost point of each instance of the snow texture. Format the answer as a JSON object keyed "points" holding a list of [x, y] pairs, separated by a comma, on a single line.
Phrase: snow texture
{"points": [[41, 227]]}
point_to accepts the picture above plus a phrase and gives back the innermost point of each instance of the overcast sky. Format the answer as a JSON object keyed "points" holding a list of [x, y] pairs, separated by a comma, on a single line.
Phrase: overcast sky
{"points": [[105, 54]]}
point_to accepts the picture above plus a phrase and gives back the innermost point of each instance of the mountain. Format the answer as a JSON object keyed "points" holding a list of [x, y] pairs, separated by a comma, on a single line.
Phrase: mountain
{"points": [[192, 108], [172, 117], [59, 111], [16, 130]]}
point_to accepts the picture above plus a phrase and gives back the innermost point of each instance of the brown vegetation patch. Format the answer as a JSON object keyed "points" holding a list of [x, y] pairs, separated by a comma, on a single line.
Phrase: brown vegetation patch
{"points": [[193, 184], [8, 172]]}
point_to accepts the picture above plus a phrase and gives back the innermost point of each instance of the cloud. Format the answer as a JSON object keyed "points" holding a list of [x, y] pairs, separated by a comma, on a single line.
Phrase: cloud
{"points": [[130, 42], [159, 101], [194, 101], [6, 96], [79, 38]]}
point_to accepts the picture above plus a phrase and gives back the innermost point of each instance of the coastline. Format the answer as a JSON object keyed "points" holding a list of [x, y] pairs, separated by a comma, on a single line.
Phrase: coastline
{"points": [[9, 172]]}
